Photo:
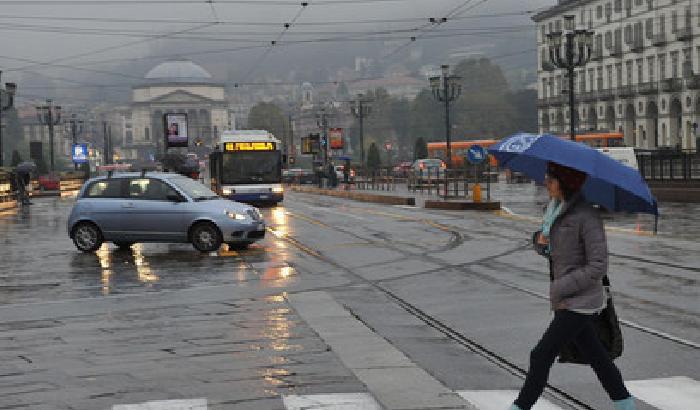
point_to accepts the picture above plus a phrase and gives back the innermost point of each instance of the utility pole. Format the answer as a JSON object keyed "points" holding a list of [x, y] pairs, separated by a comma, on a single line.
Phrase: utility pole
{"points": [[447, 88], [77, 127], [290, 139], [322, 122], [49, 115], [10, 89], [107, 135], [360, 110]]}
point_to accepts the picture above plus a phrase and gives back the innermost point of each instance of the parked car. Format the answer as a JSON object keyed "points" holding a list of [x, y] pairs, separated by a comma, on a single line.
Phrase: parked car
{"points": [[159, 207], [49, 182], [430, 168], [298, 176]]}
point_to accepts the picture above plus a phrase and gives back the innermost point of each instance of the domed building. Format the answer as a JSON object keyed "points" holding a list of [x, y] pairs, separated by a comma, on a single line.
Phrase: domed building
{"points": [[178, 86]]}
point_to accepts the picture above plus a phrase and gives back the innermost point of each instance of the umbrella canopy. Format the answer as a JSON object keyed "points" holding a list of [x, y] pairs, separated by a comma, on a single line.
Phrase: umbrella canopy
{"points": [[26, 167], [610, 184]]}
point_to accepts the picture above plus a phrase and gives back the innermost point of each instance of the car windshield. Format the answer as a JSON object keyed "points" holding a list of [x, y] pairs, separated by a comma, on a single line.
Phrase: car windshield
{"points": [[193, 189], [251, 168]]}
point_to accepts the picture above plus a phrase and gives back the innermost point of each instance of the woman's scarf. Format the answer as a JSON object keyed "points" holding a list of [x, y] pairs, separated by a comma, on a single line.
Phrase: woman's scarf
{"points": [[550, 215]]}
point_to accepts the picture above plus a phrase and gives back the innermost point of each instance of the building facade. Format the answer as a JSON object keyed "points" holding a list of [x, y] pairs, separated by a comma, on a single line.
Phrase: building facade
{"points": [[643, 79], [174, 87]]}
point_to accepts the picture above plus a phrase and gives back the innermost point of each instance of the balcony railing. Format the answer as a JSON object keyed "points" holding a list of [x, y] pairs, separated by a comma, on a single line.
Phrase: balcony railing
{"points": [[659, 39], [616, 50], [637, 46], [651, 87], [684, 33], [542, 102], [671, 85], [605, 95], [558, 100], [693, 82], [587, 97], [625, 91]]}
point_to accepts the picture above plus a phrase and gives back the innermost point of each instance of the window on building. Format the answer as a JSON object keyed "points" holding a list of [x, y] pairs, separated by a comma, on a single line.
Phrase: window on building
{"points": [[628, 8], [650, 5], [651, 61], [557, 25], [618, 39], [640, 71], [687, 62], [609, 70], [662, 24], [628, 34], [543, 33], [129, 137], [674, 64], [599, 78], [599, 12], [598, 52], [688, 18], [618, 69], [608, 12], [674, 21], [582, 81], [608, 40], [618, 6], [591, 79], [649, 28], [662, 66], [147, 134], [638, 3], [629, 66]]}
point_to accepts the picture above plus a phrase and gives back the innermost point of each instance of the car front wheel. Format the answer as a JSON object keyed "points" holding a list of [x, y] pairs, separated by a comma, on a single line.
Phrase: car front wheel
{"points": [[206, 237], [87, 237]]}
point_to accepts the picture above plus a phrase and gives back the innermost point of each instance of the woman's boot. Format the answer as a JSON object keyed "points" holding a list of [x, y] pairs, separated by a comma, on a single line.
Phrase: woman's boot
{"points": [[626, 404]]}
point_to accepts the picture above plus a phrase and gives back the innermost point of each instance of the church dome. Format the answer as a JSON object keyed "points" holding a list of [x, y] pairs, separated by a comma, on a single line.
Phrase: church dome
{"points": [[178, 71]]}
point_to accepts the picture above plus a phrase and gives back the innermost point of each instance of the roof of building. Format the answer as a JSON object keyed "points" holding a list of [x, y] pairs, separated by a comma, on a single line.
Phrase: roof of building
{"points": [[561, 7], [178, 71]]}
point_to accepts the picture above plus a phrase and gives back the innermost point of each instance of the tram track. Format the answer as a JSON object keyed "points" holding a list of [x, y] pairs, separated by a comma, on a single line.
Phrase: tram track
{"points": [[443, 266]]}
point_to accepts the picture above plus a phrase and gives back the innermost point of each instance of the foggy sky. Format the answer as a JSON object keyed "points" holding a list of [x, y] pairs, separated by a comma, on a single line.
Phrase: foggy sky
{"points": [[19, 40]]}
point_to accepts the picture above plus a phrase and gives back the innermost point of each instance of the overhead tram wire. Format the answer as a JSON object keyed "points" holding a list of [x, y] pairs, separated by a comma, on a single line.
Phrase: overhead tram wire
{"points": [[273, 43], [182, 2]]}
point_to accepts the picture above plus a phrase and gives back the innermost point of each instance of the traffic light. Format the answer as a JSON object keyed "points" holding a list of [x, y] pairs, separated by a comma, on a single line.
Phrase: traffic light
{"points": [[324, 142]]}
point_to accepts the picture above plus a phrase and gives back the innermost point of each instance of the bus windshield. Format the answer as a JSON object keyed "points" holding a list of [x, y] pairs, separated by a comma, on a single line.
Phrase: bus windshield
{"points": [[254, 167]]}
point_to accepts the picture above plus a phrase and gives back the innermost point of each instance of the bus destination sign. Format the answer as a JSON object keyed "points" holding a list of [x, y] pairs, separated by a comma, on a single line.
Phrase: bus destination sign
{"points": [[249, 146]]}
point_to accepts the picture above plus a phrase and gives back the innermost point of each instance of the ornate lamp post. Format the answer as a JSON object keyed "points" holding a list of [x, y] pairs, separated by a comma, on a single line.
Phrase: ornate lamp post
{"points": [[10, 89], [447, 88], [360, 110], [76, 127], [577, 53], [50, 115]]}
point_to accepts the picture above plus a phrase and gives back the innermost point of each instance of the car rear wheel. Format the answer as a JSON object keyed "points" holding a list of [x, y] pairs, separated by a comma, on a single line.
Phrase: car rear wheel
{"points": [[206, 237], [87, 237]]}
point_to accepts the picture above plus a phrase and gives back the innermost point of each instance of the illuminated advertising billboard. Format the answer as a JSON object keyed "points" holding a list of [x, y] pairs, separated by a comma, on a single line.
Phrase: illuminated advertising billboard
{"points": [[335, 135], [80, 153], [175, 126]]}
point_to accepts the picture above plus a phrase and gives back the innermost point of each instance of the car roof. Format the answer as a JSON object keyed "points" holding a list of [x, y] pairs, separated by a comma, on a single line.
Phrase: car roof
{"points": [[156, 175]]}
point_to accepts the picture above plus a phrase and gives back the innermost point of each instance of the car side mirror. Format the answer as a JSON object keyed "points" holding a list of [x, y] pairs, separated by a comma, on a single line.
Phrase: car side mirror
{"points": [[174, 198]]}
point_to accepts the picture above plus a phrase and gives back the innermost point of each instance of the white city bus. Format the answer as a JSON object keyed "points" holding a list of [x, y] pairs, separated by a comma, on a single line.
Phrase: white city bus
{"points": [[247, 167]]}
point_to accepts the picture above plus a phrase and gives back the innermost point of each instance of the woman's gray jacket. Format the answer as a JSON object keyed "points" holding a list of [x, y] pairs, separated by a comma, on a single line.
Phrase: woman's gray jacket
{"points": [[579, 257]]}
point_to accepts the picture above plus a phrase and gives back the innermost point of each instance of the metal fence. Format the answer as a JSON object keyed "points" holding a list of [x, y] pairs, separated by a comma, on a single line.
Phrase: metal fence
{"points": [[669, 166], [451, 183]]}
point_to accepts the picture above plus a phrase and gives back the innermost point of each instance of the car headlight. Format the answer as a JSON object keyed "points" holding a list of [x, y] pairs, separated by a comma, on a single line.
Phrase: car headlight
{"points": [[227, 191], [236, 216], [277, 190]]}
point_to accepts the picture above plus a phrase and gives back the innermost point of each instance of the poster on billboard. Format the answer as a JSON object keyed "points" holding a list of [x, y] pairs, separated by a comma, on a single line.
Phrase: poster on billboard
{"points": [[80, 153], [335, 135], [175, 126], [311, 145]]}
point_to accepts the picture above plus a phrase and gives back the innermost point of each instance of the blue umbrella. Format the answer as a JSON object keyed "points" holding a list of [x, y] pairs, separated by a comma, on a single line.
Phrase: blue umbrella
{"points": [[610, 184]]}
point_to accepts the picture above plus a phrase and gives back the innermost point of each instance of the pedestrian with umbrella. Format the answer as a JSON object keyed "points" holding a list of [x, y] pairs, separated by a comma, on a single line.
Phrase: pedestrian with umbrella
{"points": [[23, 173], [572, 236]]}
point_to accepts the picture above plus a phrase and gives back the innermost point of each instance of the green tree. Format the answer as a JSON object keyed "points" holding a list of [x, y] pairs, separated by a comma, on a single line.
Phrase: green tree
{"points": [[16, 158], [421, 149], [269, 117], [374, 160]]}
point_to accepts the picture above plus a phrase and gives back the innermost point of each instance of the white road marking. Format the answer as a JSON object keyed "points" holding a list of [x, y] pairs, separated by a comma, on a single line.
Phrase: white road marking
{"points": [[500, 400], [195, 404], [341, 401], [672, 393]]}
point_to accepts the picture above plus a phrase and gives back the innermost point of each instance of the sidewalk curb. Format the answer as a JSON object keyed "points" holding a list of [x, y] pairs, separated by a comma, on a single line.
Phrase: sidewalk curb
{"points": [[357, 196], [463, 205]]}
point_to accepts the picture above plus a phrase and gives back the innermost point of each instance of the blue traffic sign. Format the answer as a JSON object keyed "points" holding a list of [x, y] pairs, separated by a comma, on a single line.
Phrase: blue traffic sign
{"points": [[80, 153], [477, 154]]}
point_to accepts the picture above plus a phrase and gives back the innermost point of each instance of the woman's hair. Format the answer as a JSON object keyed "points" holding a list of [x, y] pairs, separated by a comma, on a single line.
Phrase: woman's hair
{"points": [[570, 180]]}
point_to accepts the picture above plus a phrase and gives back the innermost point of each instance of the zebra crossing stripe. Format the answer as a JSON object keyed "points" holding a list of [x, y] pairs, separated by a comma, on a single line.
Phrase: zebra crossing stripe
{"points": [[340, 401], [500, 400], [671, 393], [195, 404]]}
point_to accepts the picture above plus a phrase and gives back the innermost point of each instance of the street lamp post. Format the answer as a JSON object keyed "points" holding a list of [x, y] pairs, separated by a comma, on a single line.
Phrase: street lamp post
{"points": [[322, 122], [361, 110], [49, 115], [577, 53], [10, 89], [447, 88]]}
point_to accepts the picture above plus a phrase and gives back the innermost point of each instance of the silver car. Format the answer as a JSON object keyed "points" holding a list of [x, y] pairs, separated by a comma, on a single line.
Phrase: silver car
{"points": [[159, 207]]}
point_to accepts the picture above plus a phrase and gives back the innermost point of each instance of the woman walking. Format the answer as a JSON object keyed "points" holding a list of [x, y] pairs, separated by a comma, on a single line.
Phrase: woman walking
{"points": [[573, 237]]}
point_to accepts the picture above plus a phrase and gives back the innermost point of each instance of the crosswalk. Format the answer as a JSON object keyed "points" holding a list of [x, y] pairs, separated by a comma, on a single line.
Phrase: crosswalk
{"points": [[672, 393]]}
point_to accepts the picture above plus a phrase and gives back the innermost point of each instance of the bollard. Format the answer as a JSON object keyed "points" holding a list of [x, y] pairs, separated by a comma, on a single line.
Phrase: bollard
{"points": [[477, 193]]}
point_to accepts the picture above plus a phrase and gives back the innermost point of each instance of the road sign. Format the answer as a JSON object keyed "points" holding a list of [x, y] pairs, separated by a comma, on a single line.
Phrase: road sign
{"points": [[80, 153], [477, 154]]}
